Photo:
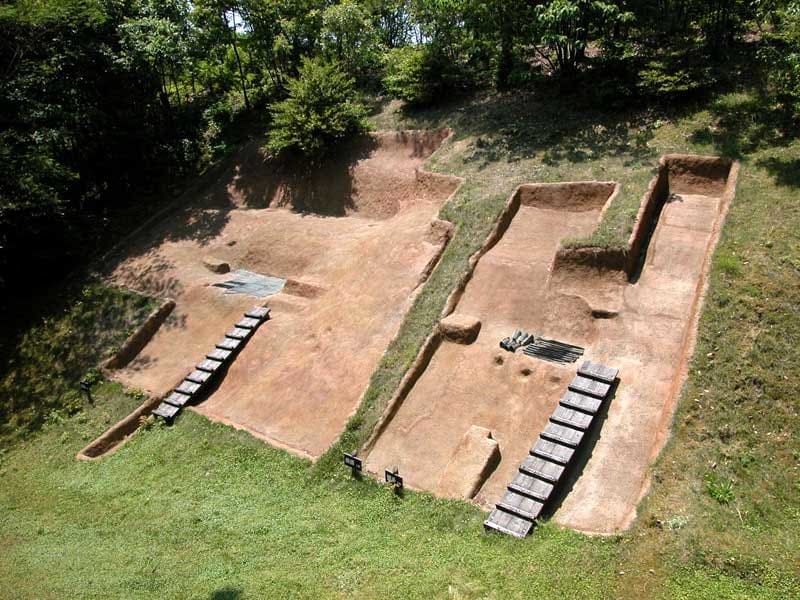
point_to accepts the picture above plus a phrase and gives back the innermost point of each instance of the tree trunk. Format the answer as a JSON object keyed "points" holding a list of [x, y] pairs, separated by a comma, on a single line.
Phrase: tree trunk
{"points": [[238, 59]]}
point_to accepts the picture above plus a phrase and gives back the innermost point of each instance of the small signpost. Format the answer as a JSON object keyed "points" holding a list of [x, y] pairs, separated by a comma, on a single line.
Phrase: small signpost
{"points": [[354, 462], [394, 479], [86, 387]]}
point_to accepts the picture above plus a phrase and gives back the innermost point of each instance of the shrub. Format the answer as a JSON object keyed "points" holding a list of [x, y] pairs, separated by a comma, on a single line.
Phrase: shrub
{"points": [[321, 108], [420, 75]]}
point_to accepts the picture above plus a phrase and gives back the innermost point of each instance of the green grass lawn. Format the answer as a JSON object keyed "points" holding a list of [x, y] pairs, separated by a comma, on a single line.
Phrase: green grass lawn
{"points": [[199, 510]]}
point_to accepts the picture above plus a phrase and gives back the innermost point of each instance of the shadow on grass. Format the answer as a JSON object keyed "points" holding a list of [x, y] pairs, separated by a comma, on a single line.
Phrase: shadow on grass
{"points": [[227, 593], [745, 123], [785, 171]]}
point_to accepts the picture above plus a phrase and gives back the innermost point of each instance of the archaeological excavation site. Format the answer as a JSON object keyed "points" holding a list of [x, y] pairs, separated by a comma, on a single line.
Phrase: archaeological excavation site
{"points": [[545, 390]]}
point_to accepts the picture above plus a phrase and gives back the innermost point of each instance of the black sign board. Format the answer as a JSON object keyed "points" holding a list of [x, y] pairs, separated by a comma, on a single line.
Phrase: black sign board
{"points": [[352, 461], [86, 387], [394, 478]]}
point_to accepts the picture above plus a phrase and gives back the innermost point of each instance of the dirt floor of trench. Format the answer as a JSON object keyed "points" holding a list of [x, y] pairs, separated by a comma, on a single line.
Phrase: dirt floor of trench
{"points": [[354, 238], [640, 328]]}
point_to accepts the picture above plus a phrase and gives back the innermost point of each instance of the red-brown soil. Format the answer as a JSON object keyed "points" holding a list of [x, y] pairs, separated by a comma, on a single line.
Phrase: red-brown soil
{"points": [[351, 279], [645, 328]]}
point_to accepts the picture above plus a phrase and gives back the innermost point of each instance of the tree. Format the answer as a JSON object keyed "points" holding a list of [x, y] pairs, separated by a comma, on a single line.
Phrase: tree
{"points": [[218, 20], [320, 110], [349, 37], [565, 27]]}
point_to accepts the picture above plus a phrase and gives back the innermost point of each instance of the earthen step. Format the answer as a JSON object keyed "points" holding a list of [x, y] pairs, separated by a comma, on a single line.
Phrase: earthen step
{"points": [[522, 506], [531, 486], [541, 468], [504, 522], [553, 451]]}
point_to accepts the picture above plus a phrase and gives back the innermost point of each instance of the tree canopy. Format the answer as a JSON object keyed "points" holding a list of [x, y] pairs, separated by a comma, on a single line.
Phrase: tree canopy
{"points": [[104, 100]]}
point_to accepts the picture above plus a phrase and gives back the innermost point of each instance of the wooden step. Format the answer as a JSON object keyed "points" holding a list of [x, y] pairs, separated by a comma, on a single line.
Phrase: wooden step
{"points": [[541, 468], [571, 418], [239, 333], [522, 506], [531, 486], [553, 451], [258, 312], [210, 365], [599, 372], [248, 323], [198, 376], [166, 411], [591, 387], [178, 399], [190, 388], [229, 343], [581, 402], [504, 522], [563, 435], [220, 354]]}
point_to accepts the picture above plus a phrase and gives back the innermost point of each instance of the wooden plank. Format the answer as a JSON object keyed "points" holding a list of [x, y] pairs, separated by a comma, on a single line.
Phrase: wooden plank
{"points": [[507, 523], [598, 371], [258, 312], [553, 451], [198, 376], [229, 343], [544, 469], [563, 435], [178, 399], [210, 365], [220, 354], [248, 323], [166, 411], [572, 418], [520, 505], [531, 486], [188, 387], [592, 387], [581, 402], [239, 333]]}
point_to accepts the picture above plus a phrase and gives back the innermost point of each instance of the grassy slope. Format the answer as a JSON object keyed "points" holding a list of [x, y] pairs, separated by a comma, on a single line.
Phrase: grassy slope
{"points": [[199, 509], [70, 333]]}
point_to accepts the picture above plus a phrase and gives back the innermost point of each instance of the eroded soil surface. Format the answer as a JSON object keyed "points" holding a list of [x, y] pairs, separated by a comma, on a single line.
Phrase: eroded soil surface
{"points": [[350, 280], [641, 328]]}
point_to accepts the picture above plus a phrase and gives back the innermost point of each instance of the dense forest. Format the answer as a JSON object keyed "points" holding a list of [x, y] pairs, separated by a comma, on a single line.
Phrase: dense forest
{"points": [[106, 102]]}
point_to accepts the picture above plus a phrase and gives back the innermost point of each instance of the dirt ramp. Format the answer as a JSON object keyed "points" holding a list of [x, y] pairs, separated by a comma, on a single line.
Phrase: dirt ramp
{"points": [[375, 176], [576, 196], [693, 174]]}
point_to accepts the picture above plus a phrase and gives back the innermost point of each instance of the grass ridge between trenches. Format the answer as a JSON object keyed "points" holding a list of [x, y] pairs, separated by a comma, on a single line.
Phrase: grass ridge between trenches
{"points": [[201, 510]]}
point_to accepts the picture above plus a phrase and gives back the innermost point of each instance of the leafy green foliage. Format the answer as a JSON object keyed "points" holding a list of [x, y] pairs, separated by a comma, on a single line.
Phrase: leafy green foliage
{"points": [[349, 38], [720, 490], [782, 56], [565, 28], [321, 109]]}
